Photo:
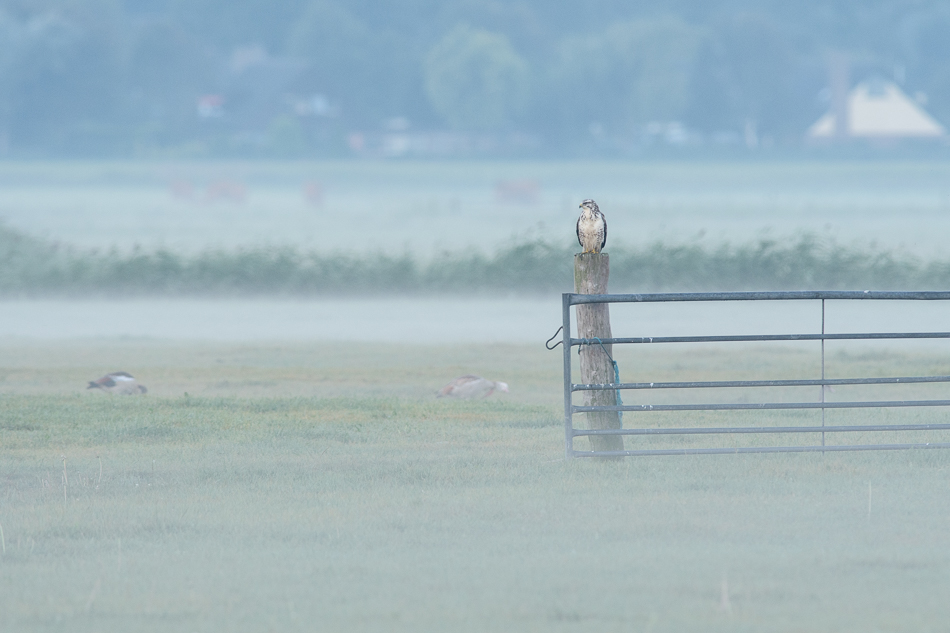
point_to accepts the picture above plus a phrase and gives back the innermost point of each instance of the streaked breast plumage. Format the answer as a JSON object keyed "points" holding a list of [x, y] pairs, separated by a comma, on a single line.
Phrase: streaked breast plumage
{"points": [[591, 227]]}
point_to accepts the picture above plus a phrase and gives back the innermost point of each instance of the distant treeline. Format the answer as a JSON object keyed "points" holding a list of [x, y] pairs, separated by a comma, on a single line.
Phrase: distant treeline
{"points": [[30, 267], [330, 78]]}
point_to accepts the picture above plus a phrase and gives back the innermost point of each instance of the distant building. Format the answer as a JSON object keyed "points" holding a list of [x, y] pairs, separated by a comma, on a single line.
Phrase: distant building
{"points": [[398, 144], [876, 109], [260, 88], [255, 91]]}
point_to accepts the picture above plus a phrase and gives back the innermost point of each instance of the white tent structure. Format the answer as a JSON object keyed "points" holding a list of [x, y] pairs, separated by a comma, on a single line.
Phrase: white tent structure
{"points": [[877, 109]]}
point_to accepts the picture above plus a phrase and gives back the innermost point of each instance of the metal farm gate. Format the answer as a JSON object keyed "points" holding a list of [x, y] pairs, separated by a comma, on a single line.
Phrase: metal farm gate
{"points": [[572, 299]]}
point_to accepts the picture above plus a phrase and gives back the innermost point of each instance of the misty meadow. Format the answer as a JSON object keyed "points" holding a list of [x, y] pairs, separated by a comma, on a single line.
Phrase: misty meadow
{"points": [[259, 257]]}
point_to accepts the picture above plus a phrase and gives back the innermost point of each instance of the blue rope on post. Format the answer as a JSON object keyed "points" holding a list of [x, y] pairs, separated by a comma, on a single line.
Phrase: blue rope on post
{"points": [[616, 377]]}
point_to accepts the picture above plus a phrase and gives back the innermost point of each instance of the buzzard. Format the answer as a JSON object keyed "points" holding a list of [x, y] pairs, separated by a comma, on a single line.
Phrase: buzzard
{"points": [[118, 382], [591, 227], [468, 387]]}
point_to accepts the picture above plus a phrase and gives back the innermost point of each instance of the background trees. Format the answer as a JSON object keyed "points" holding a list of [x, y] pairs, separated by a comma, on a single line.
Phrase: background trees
{"points": [[621, 78], [114, 76], [475, 80]]}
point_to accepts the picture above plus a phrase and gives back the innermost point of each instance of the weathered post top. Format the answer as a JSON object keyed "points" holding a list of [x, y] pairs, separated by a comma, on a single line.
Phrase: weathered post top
{"points": [[591, 273]]}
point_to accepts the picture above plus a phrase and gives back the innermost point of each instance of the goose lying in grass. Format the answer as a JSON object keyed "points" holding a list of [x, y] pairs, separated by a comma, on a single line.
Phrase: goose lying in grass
{"points": [[468, 387], [118, 382]]}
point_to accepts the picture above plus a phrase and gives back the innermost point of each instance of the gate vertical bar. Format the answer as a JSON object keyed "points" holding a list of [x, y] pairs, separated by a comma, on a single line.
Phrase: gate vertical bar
{"points": [[822, 369], [568, 399]]}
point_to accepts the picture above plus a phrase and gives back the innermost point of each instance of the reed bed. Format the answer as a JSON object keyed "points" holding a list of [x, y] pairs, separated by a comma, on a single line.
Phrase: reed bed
{"points": [[30, 266]]}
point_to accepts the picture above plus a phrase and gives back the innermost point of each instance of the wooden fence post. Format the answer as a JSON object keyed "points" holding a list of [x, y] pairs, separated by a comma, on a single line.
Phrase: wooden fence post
{"points": [[591, 272]]}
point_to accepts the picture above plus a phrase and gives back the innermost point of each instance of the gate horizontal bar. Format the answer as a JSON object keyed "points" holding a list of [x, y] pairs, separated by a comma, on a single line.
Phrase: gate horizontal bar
{"points": [[760, 449], [761, 383], [870, 336], [580, 299], [884, 404], [569, 299], [764, 429]]}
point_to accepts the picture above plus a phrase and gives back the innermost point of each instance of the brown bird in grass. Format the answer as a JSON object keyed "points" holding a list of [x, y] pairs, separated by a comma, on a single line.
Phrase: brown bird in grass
{"points": [[118, 382], [468, 387]]}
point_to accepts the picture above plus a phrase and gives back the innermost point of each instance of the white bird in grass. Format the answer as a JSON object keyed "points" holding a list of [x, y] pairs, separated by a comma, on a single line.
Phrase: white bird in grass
{"points": [[118, 382], [591, 227], [469, 386]]}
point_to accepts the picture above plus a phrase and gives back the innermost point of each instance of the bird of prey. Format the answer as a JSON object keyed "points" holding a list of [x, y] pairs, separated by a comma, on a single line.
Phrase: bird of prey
{"points": [[118, 382], [469, 386], [591, 227]]}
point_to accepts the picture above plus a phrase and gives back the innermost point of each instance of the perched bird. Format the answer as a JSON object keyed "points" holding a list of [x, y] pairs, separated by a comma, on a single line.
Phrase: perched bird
{"points": [[468, 387], [591, 227], [118, 382]]}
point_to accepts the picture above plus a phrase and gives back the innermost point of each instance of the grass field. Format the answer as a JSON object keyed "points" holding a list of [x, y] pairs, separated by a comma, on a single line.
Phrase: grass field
{"points": [[323, 487]]}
